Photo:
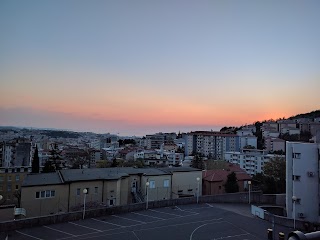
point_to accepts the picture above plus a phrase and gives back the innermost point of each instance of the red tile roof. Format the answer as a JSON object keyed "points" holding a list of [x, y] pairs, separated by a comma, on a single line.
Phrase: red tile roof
{"points": [[220, 175]]}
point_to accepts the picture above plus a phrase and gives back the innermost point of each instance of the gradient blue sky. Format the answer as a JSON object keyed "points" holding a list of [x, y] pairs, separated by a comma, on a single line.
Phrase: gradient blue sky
{"points": [[138, 67]]}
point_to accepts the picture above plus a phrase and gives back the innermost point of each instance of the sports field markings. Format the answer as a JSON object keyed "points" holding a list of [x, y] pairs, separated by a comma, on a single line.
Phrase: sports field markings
{"points": [[85, 227], [148, 216], [107, 222], [165, 213], [184, 210], [59, 231], [191, 235], [209, 205], [135, 235], [28, 235], [128, 219], [238, 235]]}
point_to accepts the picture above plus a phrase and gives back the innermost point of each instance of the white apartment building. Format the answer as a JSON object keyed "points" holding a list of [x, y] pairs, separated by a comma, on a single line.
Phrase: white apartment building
{"points": [[248, 140], [250, 160], [212, 144], [302, 181]]}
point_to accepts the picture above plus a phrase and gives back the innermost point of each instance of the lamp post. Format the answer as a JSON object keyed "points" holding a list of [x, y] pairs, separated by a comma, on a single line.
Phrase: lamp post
{"points": [[198, 189], [85, 192], [294, 199], [249, 184], [147, 200]]}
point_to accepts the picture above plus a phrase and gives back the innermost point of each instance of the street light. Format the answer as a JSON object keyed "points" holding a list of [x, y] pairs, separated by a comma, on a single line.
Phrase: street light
{"points": [[294, 199], [147, 186], [198, 190], [85, 192], [249, 184]]}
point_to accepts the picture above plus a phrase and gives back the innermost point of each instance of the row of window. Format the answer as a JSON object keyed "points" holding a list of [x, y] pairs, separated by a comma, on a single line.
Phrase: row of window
{"points": [[9, 178], [45, 194], [9, 187]]}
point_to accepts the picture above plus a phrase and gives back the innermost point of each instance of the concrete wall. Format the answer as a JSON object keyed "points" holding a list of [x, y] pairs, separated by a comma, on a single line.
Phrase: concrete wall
{"points": [[186, 181], [6, 212], [44, 206], [159, 192]]}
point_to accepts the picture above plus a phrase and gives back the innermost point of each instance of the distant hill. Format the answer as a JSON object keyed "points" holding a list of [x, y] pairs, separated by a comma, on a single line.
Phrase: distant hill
{"points": [[311, 115]]}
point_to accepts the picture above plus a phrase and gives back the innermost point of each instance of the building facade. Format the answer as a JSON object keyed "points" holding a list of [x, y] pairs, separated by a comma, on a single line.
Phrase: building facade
{"points": [[302, 181]]}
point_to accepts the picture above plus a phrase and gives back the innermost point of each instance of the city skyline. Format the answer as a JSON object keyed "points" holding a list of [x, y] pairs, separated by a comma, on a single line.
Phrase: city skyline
{"points": [[144, 67]]}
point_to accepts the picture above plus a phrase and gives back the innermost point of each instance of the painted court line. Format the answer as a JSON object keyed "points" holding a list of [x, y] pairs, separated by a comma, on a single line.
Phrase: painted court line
{"points": [[135, 235], [107, 222], [85, 227], [148, 216], [191, 235], [238, 235], [28, 235], [59, 231], [164, 213], [127, 219], [185, 210]]}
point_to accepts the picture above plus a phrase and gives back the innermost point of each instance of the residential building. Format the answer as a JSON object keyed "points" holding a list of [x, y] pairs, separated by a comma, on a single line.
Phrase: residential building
{"points": [[250, 160], [211, 144], [302, 181], [274, 144], [248, 140], [214, 180], [10, 182]]}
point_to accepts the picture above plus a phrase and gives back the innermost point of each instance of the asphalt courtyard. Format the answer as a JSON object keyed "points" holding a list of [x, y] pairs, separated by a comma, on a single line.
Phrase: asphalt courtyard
{"points": [[185, 222]]}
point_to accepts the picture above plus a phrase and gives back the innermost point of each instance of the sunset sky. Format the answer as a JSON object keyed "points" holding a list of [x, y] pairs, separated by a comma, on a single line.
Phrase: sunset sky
{"points": [[140, 67]]}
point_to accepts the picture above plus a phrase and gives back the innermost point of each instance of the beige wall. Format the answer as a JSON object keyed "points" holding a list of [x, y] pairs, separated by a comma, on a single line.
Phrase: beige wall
{"points": [[159, 192], [186, 183], [77, 200], [44, 206]]}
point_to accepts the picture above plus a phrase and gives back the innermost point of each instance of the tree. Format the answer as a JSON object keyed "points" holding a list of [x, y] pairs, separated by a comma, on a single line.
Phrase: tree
{"points": [[55, 160], [276, 170], [231, 186], [197, 162], [35, 161], [114, 163]]}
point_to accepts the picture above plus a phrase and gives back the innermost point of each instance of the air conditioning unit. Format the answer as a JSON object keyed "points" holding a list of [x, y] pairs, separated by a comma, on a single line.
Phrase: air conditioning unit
{"points": [[301, 215], [310, 174]]}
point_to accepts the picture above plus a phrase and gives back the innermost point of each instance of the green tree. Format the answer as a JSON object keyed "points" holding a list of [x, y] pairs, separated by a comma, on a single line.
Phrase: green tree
{"points": [[54, 162], [197, 162], [231, 186], [276, 170], [35, 161], [114, 163]]}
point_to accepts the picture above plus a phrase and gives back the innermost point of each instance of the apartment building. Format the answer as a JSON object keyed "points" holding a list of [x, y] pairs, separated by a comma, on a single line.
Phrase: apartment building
{"points": [[155, 141], [216, 144], [251, 160], [10, 183], [302, 181], [16, 153], [62, 191], [274, 144]]}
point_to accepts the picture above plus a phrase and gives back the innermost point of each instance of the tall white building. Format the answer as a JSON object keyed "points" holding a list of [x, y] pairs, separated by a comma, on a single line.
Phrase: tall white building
{"points": [[250, 160], [302, 180]]}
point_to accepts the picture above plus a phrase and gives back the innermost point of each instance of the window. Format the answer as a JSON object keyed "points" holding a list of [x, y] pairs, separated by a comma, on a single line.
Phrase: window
{"points": [[296, 155], [1, 178], [1, 188], [17, 187], [78, 191], [45, 194], [296, 178], [9, 178], [166, 183], [96, 190], [9, 187], [152, 184], [17, 178]]}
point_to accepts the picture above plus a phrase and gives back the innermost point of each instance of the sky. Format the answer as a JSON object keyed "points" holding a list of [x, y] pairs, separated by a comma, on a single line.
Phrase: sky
{"points": [[140, 67]]}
